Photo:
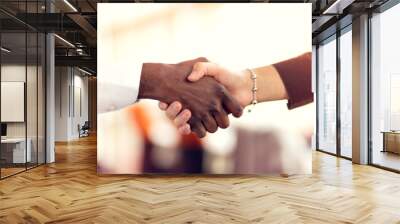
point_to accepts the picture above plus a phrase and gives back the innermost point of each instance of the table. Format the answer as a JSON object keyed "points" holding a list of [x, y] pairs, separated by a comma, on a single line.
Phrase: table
{"points": [[391, 141], [17, 151]]}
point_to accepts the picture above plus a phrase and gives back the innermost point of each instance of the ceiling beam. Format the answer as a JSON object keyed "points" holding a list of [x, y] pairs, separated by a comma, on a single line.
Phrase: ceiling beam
{"points": [[81, 61], [84, 24]]}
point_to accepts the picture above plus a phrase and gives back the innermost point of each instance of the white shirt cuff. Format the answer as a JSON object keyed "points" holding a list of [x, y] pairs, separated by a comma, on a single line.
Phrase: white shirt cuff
{"points": [[120, 91]]}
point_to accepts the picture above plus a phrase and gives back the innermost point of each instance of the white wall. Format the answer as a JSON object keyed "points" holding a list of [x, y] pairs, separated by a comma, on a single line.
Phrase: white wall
{"points": [[33, 127], [13, 73], [62, 81], [71, 102]]}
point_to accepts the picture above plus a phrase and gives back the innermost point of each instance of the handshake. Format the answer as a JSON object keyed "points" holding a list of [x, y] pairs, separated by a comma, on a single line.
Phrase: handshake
{"points": [[198, 95]]}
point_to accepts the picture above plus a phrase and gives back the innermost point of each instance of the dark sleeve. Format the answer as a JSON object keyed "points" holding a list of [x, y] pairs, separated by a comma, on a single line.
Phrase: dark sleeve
{"points": [[296, 77]]}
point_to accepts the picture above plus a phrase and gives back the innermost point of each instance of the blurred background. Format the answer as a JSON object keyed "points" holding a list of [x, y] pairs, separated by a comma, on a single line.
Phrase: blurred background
{"points": [[140, 138]]}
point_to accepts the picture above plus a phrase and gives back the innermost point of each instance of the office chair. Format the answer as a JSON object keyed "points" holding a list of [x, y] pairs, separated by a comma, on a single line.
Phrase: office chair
{"points": [[84, 130]]}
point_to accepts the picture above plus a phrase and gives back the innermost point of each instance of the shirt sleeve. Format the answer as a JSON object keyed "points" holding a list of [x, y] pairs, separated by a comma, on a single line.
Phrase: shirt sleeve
{"points": [[118, 73], [296, 76], [113, 96]]}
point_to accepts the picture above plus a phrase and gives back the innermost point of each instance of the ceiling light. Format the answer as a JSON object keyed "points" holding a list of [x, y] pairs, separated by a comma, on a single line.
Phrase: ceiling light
{"points": [[70, 5], [338, 6], [84, 71], [5, 50], [64, 40]]}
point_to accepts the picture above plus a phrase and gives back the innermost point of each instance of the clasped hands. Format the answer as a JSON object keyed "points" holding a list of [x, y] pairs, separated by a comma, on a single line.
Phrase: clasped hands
{"points": [[195, 102]]}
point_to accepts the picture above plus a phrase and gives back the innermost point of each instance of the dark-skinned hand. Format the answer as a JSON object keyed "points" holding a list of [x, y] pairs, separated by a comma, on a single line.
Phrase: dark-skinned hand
{"points": [[209, 102]]}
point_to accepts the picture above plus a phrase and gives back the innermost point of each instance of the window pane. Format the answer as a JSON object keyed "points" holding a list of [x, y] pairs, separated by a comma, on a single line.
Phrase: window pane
{"points": [[386, 88], [346, 94], [327, 97]]}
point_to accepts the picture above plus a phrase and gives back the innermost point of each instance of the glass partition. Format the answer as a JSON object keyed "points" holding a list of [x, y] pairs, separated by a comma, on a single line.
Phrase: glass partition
{"points": [[14, 145], [22, 77]]}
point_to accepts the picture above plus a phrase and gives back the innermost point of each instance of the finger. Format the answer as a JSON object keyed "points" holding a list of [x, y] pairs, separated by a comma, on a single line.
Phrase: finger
{"points": [[191, 62], [222, 119], [184, 130], [201, 69], [173, 110], [209, 123], [182, 118], [231, 105], [198, 129], [162, 105]]}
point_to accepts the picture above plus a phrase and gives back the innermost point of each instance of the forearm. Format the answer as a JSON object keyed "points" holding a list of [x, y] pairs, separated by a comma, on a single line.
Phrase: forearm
{"points": [[290, 79], [269, 84]]}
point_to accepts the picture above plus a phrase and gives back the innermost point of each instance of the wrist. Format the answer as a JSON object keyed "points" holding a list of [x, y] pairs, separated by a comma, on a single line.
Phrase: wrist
{"points": [[246, 87], [150, 81]]}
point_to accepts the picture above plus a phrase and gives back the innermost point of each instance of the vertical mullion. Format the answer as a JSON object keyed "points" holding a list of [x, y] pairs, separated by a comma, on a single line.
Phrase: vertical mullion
{"points": [[45, 94], [37, 90], [0, 96], [317, 96], [338, 81], [369, 90], [26, 86], [69, 92], [45, 87]]}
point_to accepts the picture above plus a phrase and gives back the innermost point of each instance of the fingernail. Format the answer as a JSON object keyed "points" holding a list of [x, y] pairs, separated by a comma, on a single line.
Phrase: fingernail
{"points": [[175, 106], [192, 76], [187, 113]]}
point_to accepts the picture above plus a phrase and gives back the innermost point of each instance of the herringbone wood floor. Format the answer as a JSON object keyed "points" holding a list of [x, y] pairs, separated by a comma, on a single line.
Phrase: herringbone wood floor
{"points": [[70, 191]]}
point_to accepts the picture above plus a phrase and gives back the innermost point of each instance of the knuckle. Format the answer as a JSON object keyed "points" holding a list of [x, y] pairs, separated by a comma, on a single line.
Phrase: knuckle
{"points": [[177, 121], [204, 59], [219, 90], [214, 106], [202, 116], [198, 66], [170, 114]]}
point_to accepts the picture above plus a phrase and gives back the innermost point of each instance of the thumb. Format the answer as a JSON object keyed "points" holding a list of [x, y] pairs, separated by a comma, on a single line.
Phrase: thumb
{"points": [[201, 69]]}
